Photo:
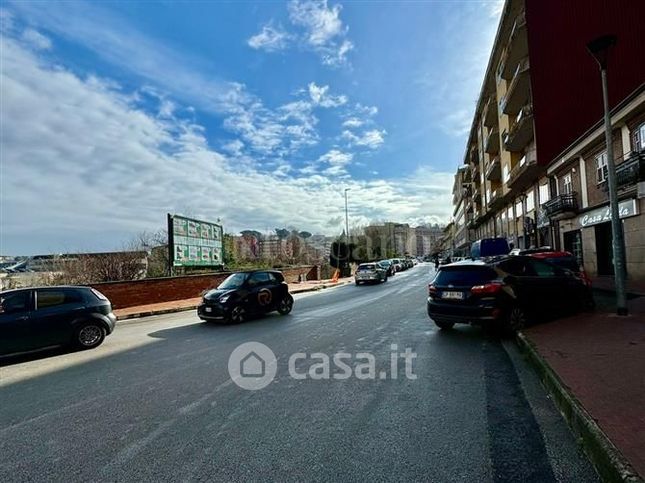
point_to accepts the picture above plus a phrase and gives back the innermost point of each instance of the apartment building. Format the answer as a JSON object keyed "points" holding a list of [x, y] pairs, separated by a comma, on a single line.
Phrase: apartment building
{"points": [[536, 135]]}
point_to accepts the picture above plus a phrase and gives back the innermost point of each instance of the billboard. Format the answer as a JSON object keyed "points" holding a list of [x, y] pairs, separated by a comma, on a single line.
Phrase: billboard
{"points": [[194, 243]]}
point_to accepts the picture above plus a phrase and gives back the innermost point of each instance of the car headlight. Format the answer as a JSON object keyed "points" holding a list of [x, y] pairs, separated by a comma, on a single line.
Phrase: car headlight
{"points": [[224, 298]]}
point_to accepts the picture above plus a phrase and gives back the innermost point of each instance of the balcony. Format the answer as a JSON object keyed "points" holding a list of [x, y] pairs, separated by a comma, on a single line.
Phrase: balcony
{"points": [[630, 171], [517, 47], [477, 196], [518, 92], [524, 172], [562, 206], [521, 131], [492, 142], [494, 170], [496, 199], [490, 112]]}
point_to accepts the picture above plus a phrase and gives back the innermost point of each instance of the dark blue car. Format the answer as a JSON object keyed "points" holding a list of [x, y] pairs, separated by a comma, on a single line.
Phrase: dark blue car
{"points": [[43, 317]]}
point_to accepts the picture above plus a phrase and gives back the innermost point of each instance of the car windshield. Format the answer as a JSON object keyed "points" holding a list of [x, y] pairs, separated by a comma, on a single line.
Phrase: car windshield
{"points": [[366, 267], [465, 276], [235, 280]]}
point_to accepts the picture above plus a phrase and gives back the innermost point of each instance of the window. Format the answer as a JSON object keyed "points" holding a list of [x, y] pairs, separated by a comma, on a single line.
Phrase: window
{"points": [[530, 201], [567, 184], [505, 173], [14, 302], [639, 138], [517, 266], [601, 167], [258, 278], [51, 298], [544, 193], [518, 209], [543, 269]]}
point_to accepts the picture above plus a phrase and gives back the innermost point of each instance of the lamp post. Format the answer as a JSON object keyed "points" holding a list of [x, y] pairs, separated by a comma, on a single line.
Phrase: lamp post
{"points": [[346, 219], [599, 48]]}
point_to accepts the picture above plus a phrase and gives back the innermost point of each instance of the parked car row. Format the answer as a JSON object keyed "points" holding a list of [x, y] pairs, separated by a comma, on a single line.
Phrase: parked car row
{"points": [[381, 270], [507, 291]]}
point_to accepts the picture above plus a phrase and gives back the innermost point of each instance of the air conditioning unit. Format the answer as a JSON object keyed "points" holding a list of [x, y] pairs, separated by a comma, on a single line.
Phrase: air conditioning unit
{"points": [[640, 190]]}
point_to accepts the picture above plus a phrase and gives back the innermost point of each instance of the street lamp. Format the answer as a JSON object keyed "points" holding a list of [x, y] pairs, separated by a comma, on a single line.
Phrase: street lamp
{"points": [[346, 219], [599, 48]]}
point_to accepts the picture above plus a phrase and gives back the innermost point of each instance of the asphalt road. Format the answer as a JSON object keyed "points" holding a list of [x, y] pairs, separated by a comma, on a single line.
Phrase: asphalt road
{"points": [[155, 402]]}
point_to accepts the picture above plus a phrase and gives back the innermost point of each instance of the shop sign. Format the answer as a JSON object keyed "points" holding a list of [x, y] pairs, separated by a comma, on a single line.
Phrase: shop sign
{"points": [[626, 209]]}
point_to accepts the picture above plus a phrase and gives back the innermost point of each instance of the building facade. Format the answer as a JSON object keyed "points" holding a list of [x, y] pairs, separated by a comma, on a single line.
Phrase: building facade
{"points": [[533, 168]]}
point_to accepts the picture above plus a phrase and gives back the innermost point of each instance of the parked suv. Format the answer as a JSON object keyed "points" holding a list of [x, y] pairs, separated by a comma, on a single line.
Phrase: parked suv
{"points": [[38, 318], [246, 293], [505, 292], [561, 259], [370, 272]]}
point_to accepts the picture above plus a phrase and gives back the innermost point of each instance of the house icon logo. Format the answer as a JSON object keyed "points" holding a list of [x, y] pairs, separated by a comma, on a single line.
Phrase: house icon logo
{"points": [[252, 365]]}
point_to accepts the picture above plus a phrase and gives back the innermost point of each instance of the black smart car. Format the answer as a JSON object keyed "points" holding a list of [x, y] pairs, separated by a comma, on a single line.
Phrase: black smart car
{"points": [[38, 318], [246, 293], [504, 292]]}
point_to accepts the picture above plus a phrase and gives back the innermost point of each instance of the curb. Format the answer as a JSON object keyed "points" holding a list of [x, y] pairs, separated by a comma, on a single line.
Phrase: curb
{"points": [[611, 465], [148, 313]]}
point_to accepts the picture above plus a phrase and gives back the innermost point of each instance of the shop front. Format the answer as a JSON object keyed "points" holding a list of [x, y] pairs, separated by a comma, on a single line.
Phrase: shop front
{"points": [[592, 237]]}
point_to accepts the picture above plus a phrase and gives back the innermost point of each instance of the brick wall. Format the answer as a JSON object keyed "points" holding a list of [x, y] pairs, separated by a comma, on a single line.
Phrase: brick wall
{"points": [[157, 290]]}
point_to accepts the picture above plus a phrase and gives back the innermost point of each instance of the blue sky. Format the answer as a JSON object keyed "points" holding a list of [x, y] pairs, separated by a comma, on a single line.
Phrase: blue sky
{"points": [[257, 113]]}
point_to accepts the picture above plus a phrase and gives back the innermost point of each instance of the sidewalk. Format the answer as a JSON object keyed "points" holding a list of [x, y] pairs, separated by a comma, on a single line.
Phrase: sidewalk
{"points": [[594, 366], [191, 304], [607, 284]]}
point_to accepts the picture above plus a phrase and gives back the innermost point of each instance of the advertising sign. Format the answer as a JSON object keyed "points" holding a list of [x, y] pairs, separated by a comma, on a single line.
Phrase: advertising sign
{"points": [[194, 243], [626, 209]]}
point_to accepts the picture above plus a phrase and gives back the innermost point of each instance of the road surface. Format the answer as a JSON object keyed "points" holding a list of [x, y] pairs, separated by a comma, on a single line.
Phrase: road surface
{"points": [[155, 402]]}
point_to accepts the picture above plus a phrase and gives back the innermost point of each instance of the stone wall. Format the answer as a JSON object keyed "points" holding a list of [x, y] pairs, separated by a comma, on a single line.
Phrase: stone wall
{"points": [[166, 289]]}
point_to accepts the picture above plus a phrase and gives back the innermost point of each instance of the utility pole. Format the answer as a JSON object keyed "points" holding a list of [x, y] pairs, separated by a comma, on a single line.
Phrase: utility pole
{"points": [[346, 219], [599, 48]]}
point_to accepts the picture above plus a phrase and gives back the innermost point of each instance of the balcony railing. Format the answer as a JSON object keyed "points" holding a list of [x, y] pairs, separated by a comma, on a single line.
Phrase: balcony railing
{"points": [[494, 170], [630, 171], [518, 90], [517, 46], [492, 142], [523, 170], [521, 131], [562, 204], [490, 112]]}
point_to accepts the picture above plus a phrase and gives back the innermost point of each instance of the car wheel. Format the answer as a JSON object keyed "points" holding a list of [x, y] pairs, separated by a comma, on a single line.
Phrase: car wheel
{"points": [[357, 282], [89, 335], [444, 325], [237, 315], [516, 319], [285, 305], [385, 279]]}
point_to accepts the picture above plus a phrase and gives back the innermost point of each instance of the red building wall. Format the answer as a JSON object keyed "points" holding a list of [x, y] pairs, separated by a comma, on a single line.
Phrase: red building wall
{"points": [[565, 79]]}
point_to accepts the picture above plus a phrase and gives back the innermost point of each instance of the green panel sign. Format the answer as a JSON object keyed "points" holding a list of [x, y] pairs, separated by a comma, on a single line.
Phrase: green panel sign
{"points": [[194, 243]]}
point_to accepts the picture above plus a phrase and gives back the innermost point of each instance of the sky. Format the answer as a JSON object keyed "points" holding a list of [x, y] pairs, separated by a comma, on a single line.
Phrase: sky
{"points": [[259, 114]]}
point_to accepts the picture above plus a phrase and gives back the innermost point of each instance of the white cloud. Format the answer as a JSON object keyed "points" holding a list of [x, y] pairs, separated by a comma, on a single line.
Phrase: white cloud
{"points": [[60, 129], [36, 39], [336, 158], [353, 122], [321, 97], [371, 139], [319, 28], [270, 39], [321, 23]]}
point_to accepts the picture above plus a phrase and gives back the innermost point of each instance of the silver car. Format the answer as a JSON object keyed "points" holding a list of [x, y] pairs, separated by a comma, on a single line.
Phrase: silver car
{"points": [[370, 272]]}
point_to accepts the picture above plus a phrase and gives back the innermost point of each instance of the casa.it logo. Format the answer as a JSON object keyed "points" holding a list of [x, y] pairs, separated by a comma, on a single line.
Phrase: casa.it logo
{"points": [[264, 296]]}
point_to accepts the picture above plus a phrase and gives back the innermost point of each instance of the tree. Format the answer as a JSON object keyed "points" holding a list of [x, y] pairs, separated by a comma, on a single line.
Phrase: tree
{"points": [[282, 233]]}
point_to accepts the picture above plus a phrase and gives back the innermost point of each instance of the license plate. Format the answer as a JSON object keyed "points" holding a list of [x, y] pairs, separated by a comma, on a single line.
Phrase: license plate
{"points": [[209, 309], [453, 295]]}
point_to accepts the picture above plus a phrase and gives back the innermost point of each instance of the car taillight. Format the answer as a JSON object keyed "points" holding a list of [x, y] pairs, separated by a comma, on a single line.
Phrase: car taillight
{"points": [[487, 289], [432, 290], [585, 277]]}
